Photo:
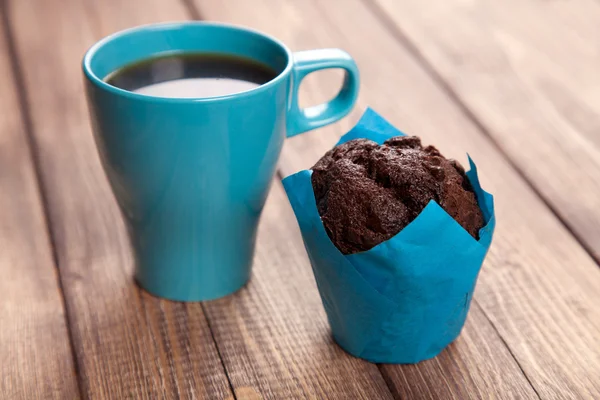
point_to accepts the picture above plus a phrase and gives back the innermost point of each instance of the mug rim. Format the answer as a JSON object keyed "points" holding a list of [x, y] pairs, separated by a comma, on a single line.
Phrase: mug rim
{"points": [[100, 83]]}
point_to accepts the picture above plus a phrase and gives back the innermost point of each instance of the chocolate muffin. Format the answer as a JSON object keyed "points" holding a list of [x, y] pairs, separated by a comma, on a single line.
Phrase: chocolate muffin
{"points": [[366, 193]]}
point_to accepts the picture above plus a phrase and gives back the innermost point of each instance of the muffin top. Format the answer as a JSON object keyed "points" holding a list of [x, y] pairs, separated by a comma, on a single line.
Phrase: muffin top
{"points": [[366, 193]]}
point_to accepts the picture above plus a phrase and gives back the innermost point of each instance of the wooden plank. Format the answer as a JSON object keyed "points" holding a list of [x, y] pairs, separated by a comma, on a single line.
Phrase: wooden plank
{"points": [[128, 344], [36, 358], [528, 70], [539, 288]]}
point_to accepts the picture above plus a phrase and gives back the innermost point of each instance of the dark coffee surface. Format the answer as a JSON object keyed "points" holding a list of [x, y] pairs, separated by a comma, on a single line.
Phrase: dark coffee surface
{"points": [[205, 75], [367, 193]]}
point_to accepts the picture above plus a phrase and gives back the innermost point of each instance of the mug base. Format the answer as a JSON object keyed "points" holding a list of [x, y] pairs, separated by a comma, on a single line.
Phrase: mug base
{"points": [[394, 355], [189, 296]]}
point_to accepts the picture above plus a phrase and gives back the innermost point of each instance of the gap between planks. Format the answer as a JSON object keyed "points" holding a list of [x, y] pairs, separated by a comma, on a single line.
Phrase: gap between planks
{"points": [[212, 335]]}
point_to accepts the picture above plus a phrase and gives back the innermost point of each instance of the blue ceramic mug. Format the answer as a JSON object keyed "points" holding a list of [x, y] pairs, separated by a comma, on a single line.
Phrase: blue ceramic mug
{"points": [[191, 175]]}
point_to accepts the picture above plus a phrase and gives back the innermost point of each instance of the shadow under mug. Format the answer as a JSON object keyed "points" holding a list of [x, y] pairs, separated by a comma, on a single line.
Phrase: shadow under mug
{"points": [[191, 175]]}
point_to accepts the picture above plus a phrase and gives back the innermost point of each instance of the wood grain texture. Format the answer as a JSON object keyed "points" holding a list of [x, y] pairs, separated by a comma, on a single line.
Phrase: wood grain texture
{"points": [[528, 70], [128, 344], [35, 355], [273, 334], [539, 287]]}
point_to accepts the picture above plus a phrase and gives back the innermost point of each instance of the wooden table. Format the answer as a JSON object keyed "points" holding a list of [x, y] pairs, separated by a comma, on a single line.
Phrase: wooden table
{"points": [[515, 83]]}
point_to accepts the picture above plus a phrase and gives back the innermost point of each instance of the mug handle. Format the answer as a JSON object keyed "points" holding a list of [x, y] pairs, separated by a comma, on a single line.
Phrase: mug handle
{"points": [[305, 62]]}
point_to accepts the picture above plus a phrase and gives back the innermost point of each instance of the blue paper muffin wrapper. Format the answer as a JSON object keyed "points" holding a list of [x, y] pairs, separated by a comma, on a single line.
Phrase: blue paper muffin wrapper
{"points": [[406, 299]]}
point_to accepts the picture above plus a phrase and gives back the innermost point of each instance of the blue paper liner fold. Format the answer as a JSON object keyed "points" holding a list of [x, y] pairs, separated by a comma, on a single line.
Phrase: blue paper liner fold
{"points": [[406, 299]]}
